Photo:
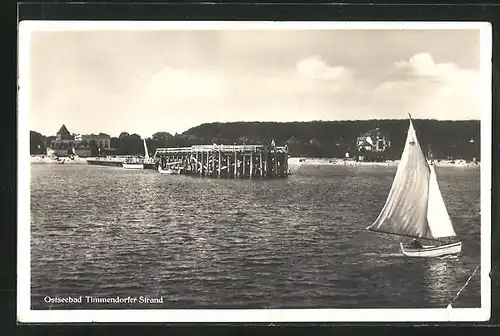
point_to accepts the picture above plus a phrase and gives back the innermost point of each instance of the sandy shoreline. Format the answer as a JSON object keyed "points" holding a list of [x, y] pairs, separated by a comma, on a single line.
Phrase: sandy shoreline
{"points": [[298, 161], [292, 162], [43, 159], [48, 160]]}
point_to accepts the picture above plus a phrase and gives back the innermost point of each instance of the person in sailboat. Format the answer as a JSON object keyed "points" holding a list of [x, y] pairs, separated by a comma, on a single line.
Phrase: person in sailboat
{"points": [[416, 244]]}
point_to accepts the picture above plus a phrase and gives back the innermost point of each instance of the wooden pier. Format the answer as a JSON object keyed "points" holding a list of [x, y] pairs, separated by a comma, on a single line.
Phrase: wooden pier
{"points": [[226, 161]]}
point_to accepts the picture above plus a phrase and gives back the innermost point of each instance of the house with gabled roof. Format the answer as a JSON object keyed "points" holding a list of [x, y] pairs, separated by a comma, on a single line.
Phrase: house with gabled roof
{"points": [[64, 134], [373, 141], [67, 143]]}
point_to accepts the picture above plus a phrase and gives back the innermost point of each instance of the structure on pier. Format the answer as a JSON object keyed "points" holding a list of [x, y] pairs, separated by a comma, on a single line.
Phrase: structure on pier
{"points": [[226, 161]]}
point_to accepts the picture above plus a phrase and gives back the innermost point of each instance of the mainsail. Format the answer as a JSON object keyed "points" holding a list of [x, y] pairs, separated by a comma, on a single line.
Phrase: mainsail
{"points": [[406, 209]]}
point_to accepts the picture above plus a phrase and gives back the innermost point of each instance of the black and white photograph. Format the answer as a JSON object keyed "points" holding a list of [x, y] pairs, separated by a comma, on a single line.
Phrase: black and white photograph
{"points": [[254, 171]]}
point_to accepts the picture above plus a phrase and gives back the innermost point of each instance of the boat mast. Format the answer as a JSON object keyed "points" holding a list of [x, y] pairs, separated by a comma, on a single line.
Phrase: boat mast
{"points": [[428, 157]]}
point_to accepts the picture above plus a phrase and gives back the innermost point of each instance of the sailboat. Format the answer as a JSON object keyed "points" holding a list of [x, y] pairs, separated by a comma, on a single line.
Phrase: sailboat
{"points": [[149, 162], [415, 207], [134, 163]]}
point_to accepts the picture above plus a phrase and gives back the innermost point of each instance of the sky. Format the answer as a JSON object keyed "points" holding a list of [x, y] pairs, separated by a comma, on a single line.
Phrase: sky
{"points": [[150, 81]]}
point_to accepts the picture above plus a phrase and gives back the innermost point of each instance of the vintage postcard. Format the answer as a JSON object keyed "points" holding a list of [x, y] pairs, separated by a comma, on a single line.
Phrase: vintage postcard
{"points": [[254, 171]]}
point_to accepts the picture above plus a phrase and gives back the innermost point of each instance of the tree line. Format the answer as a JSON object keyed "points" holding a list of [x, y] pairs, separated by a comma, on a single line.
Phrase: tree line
{"points": [[445, 139]]}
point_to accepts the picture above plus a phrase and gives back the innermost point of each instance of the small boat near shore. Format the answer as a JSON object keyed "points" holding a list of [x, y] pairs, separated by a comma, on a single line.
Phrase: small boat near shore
{"points": [[106, 161], [132, 165], [415, 207], [167, 171], [170, 168], [137, 163]]}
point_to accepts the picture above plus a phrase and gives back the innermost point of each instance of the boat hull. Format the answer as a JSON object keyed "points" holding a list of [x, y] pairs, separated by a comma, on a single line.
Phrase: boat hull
{"points": [[105, 163], [432, 251], [133, 166], [167, 171]]}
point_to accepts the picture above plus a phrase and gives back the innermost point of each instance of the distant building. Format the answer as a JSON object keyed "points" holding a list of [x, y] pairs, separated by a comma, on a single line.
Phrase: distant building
{"points": [[102, 140], [67, 143], [373, 141], [292, 141]]}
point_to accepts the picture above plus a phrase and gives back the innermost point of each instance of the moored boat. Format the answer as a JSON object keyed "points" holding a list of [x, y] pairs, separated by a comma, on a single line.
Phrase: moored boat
{"points": [[167, 171], [149, 162], [108, 161], [170, 168], [137, 163], [133, 165]]}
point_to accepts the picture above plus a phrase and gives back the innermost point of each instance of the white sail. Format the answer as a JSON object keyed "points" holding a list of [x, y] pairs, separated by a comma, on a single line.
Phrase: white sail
{"points": [[405, 211], [437, 216], [146, 154]]}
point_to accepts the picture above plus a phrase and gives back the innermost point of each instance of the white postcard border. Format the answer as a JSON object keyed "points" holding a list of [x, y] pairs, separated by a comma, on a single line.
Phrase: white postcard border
{"points": [[24, 312]]}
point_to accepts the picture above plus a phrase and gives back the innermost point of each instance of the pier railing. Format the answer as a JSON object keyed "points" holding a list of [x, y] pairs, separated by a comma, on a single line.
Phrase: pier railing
{"points": [[222, 148], [173, 150]]}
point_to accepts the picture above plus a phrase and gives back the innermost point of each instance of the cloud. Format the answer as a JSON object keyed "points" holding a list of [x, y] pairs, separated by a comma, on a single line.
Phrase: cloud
{"points": [[315, 68], [430, 89], [422, 69], [423, 65]]}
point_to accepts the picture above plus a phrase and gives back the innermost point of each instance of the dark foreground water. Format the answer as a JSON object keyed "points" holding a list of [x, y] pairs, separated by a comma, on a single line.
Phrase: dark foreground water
{"points": [[300, 242]]}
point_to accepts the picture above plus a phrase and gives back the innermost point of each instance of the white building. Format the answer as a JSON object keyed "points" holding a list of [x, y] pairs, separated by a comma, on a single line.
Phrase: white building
{"points": [[373, 141], [82, 145]]}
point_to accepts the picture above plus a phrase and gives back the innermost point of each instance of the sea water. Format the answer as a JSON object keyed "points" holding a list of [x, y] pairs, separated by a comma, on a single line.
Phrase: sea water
{"points": [[298, 242]]}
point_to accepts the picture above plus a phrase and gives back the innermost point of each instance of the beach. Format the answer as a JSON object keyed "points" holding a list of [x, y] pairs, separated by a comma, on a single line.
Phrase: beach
{"points": [[297, 161], [44, 159]]}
